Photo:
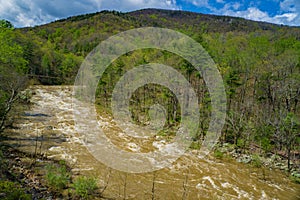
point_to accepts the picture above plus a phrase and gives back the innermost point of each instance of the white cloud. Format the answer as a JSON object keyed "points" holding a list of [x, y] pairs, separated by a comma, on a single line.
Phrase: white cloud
{"points": [[220, 1], [251, 13], [236, 5], [289, 5], [254, 14], [33, 12], [291, 12], [288, 15], [199, 3], [128, 5]]}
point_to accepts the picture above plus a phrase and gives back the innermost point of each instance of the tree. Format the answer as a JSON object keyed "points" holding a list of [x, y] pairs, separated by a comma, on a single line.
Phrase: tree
{"points": [[11, 84], [6, 24], [69, 67], [13, 66], [290, 130]]}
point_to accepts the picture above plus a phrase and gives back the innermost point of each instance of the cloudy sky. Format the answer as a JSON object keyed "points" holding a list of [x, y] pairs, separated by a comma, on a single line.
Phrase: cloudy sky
{"points": [[35, 12]]}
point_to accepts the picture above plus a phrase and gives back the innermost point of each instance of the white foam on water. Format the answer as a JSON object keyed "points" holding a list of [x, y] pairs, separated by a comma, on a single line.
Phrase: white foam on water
{"points": [[263, 195], [47, 101], [275, 186], [226, 185], [241, 193], [133, 147], [200, 186], [159, 144], [211, 182], [56, 149]]}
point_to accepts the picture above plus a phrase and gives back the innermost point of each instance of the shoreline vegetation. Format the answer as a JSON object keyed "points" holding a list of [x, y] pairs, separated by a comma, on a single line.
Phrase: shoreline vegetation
{"points": [[259, 63], [29, 176], [270, 161]]}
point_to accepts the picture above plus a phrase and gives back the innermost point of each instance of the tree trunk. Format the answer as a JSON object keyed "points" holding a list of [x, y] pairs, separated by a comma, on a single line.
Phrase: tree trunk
{"points": [[289, 157]]}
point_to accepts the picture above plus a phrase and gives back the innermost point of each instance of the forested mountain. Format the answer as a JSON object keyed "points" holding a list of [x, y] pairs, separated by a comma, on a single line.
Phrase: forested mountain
{"points": [[259, 62], [60, 46]]}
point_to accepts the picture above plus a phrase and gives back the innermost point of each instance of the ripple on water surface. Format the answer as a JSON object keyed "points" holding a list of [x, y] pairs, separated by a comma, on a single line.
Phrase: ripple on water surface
{"points": [[51, 120]]}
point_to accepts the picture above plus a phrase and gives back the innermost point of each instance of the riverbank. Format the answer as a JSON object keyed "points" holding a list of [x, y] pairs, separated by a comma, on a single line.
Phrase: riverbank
{"points": [[27, 176], [272, 161], [21, 175], [47, 128], [27, 172]]}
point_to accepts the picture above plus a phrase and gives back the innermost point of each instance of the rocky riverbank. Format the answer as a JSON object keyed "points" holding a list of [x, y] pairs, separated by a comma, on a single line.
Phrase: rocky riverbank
{"points": [[272, 161], [25, 171], [47, 128]]}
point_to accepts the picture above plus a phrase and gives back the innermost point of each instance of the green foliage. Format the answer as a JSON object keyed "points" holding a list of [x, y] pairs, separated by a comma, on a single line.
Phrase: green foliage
{"points": [[13, 66], [154, 17], [291, 124], [5, 24], [57, 177], [295, 177], [69, 67], [259, 63], [85, 187], [266, 144], [263, 136], [12, 53], [256, 161], [12, 191], [241, 143], [195, 145], [3, 163], [218, 154], [232, 81]]}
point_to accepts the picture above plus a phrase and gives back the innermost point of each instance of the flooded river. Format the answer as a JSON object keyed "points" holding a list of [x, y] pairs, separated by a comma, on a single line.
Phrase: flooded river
{"points": [[48, 128]]}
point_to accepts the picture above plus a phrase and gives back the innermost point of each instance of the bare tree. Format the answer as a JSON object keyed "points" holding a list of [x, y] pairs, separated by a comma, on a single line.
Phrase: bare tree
{"points": [[11, 84], [106, 182], [185, 185], [153, 186]]}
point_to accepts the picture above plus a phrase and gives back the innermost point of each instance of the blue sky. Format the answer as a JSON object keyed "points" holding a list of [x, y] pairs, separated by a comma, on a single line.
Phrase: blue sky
{"points": [[35, 12]]}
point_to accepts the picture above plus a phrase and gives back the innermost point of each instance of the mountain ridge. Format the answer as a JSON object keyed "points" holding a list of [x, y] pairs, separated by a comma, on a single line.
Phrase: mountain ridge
{"points": [[76, 36], [164, 12]]}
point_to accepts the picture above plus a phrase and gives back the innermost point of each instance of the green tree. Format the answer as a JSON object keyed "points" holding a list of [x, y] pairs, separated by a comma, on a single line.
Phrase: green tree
{"points": [[69, 67], [5, 24], [290, 129], [13, 66]]}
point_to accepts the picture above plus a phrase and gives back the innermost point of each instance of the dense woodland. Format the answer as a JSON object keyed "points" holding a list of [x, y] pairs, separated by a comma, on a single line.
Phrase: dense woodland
{"points": [[259, 63]]}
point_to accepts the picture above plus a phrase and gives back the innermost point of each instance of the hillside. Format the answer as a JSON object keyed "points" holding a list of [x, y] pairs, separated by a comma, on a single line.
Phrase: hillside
{"points": [[259, 63], [75, 37]]}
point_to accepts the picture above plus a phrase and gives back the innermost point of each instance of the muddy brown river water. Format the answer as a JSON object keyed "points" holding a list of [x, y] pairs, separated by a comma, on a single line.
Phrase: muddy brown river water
{"points": [[48, 128]]}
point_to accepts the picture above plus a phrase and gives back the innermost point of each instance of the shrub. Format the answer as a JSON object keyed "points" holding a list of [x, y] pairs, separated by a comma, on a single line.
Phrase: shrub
{"points": [[256, 161], [3, 164], [195, 145], [295, 179], [85, 186], [57, 176], [241, 143], [12, 191], [218, 154]]}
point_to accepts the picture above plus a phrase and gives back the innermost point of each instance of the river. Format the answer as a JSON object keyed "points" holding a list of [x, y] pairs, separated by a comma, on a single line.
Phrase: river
{"points": [[47, 127]]}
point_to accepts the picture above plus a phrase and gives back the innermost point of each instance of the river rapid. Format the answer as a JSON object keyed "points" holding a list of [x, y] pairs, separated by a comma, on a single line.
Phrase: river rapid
{"points": [[47, 127]]}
